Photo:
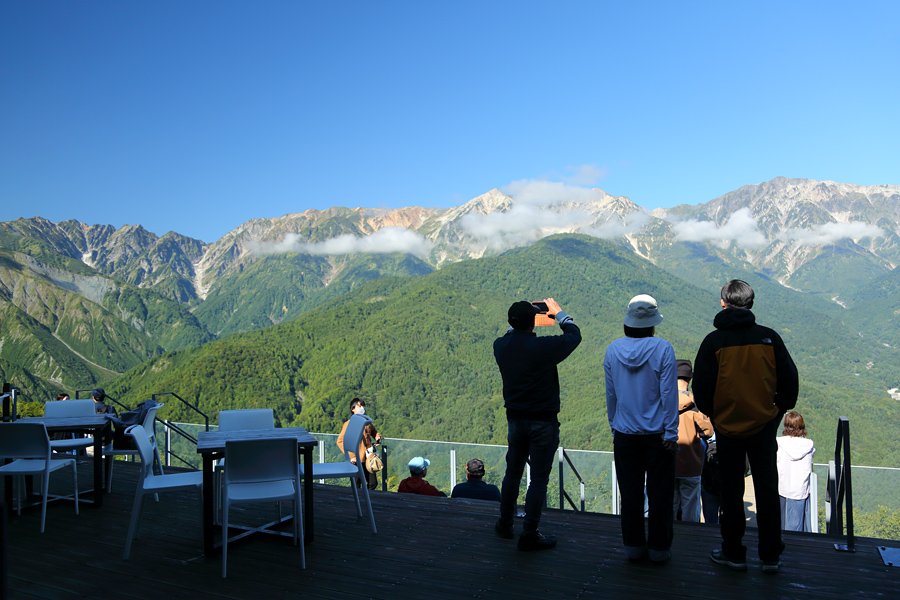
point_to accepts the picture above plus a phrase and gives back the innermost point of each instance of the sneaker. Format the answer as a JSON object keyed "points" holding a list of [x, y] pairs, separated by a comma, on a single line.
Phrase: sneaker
{"points": [[771, 566], [504, 531], [718, 557], [535, 540]]}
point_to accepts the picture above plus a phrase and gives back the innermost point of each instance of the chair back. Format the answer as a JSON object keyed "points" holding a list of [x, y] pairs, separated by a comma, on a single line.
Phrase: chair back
{"points": [[255, 418], [353, 437], [145, 450], [24, 440], [69, 408], [149, 423], [259, 461]]}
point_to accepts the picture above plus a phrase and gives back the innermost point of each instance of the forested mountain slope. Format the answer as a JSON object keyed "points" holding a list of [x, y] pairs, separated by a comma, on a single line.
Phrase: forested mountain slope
{"points": [[419, 350]]}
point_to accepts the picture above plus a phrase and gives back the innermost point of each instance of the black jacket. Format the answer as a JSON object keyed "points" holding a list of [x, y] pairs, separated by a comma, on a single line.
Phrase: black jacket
{"points": [[528, 368], [744, 376]]}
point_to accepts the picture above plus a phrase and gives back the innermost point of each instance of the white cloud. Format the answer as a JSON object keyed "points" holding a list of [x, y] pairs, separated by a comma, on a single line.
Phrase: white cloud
{"points": [[584, 175], [384, 241], [615, 229], [539, 192], [521, 225], [740, 228], [829, 233]]}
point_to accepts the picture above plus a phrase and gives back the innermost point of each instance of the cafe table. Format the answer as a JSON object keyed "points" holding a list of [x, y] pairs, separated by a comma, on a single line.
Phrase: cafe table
{"points": [[211, 445], [96, 425]]}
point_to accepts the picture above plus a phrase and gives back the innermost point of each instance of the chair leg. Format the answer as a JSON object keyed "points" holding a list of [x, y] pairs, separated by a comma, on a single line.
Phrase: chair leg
{"points": [[355, 495], [135, 522], [45, 488], [298, 528], [365, 489], [224, 538]]}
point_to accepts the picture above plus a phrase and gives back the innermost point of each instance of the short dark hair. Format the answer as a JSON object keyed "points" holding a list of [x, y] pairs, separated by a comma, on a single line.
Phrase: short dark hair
{"points": [[639, 332], [356, 402], [737, 294]]}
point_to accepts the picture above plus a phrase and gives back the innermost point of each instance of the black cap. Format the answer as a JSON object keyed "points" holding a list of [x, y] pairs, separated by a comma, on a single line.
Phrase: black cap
{"points": [[521, 315], [475, 467], [98, 393]]}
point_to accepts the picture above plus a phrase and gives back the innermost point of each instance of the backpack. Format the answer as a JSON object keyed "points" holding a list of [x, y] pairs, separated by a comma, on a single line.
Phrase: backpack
{"points": [[126, 420]]}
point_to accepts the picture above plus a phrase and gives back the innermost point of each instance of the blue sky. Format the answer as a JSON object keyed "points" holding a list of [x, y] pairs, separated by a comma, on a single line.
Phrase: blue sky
{"points": [[198, 116]]}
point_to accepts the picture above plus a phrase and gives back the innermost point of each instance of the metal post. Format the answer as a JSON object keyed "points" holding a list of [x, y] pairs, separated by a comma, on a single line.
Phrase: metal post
{"points": [[452, 468], [322, 456], [168, 443], [814, 502], [562, 489], [615, 490]]}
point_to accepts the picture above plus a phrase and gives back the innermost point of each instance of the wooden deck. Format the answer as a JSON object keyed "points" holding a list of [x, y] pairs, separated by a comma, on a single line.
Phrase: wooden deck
{"points": [[430, 548]]}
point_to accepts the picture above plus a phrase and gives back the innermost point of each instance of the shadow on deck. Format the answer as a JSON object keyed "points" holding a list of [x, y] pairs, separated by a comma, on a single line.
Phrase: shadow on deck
{"points": [[431, 548]]}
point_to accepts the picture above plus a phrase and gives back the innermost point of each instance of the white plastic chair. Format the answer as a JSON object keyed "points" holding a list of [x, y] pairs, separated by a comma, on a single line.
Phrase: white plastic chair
{"points": [[149, 483], [149, 426], [339, 470], [30, 445], [70, 408], [261, 471], [236, 420]]}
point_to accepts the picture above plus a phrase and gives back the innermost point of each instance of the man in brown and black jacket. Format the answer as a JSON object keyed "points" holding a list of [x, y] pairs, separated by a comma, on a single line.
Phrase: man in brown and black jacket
{"points": [[745, 380]]}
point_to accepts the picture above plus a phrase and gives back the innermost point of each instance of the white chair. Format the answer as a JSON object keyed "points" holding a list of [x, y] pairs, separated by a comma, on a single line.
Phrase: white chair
{"points": [[70, 408], [29, 444], [339, 470], [148, 483], [236, 420], [261, 471], [149, 426]]}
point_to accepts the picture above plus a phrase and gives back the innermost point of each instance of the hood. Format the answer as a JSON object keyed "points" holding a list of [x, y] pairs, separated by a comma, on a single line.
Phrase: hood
{"points": [[795, 448], [685, 402], [734, 318], [634, 352]]}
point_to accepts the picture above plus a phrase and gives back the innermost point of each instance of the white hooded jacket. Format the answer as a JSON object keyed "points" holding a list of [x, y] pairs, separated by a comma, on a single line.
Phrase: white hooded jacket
{"points": [[795, 460]]}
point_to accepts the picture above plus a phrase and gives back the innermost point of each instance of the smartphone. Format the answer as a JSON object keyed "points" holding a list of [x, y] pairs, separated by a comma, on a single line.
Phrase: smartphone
{"points": [[540, 308]]}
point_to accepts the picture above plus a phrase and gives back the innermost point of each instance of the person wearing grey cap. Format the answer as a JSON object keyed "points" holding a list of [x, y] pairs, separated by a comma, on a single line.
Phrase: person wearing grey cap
{"points": [[527, 365], [642, 407]]}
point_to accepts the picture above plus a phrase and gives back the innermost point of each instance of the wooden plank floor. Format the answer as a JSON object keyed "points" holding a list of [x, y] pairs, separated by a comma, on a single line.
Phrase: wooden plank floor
{"points": [[431, 548]]}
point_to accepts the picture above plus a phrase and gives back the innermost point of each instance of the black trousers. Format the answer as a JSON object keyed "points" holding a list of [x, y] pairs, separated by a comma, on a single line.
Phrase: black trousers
{"points": [[761, 450]]}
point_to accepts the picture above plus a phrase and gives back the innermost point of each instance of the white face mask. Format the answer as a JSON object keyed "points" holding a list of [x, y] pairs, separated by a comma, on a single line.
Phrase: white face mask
{"points": [[360, 410]]}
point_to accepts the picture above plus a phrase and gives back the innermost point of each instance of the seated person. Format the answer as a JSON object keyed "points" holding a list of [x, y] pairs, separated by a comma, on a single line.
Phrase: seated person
{"points": [[474, 487], [99, 407], [415, 483]]}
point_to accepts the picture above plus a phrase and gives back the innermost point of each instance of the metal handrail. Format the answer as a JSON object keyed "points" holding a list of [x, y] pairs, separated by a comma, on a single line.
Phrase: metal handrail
{"points": [[563, 495], [171, 427], [186, 403], [840, 488]]}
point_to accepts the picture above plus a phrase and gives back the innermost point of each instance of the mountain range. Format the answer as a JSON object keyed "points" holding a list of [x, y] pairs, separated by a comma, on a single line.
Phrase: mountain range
{"points": [[81, 304]]}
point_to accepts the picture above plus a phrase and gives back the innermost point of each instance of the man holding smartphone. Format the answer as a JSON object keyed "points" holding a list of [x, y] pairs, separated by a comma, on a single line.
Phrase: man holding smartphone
{"points": [[531, 396]]}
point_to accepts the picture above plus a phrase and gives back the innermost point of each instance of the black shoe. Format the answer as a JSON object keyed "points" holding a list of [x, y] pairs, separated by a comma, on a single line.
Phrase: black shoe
{"points": [[535, 540], [504, 531], [718, 557], [771, 566]]}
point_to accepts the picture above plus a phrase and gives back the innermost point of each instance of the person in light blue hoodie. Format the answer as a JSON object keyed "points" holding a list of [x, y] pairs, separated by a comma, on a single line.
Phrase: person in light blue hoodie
{"points": [[642, 406]]}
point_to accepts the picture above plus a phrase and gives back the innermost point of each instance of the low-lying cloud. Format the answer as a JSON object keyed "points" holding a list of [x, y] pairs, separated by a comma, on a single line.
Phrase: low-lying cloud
{"points": [[740, 228], [829, 233], [539, 192], [521, 225], [383, 241]]}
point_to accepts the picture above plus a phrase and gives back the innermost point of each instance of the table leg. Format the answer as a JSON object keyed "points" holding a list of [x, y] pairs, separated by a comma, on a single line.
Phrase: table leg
{"points": [[208, 505], [308, 520]]}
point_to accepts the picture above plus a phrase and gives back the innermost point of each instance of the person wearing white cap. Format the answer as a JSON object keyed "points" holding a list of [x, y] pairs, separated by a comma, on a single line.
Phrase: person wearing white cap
{"points": [[642, 406], [415, 483]]}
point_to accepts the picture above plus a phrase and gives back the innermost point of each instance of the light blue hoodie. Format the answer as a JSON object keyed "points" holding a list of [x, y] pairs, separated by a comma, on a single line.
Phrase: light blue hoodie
{"points": [[642, 386]]}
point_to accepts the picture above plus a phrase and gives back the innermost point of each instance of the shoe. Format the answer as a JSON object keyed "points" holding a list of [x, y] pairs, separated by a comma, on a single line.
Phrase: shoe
{"points": [[506, 532], [771, 566], [718, 557], [535, 540], [659, 557]]}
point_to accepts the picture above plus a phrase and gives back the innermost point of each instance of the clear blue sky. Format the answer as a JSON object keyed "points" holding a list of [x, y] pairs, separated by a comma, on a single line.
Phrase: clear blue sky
{"points": [[198, 116]]}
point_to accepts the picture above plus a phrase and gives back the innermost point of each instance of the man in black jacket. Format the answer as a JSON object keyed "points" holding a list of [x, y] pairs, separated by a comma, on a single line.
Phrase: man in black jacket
{"points": [[531, 397], [744, 381]]}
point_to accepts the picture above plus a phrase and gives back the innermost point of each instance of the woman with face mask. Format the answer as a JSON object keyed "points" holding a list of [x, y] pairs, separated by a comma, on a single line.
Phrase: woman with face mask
{"points": [[358, 407]]}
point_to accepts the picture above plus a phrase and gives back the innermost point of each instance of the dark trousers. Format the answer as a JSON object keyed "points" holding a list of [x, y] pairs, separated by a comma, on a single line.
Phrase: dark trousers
{"points": [[761, 449], [534, 442], [638, 456]]}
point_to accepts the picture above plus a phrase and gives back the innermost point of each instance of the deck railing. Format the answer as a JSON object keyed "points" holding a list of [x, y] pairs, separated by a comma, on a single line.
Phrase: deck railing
{"points": [[840, 488]]}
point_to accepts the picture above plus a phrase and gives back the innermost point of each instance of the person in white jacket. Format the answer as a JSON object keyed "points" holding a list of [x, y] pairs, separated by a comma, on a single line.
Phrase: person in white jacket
{"points": [[795, 460]]}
